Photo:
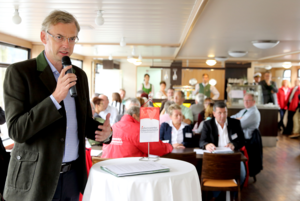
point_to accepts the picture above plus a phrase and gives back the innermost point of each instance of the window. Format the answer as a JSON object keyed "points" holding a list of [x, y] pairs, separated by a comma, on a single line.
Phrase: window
{"points": [[287, 75], [9, 54], [298, 73], [77, 62]]}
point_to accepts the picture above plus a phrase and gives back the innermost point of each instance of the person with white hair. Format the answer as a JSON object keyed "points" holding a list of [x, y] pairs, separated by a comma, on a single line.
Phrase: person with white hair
{"points": [[198, 107], [126, 139], [129, 103], [257, 77]]}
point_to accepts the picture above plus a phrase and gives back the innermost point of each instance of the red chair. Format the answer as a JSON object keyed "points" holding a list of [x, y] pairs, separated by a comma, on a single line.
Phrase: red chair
{"points": [[244, 150]]}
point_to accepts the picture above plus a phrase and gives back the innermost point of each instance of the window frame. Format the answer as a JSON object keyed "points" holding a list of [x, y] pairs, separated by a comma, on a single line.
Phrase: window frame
{"points": [[285, 78], [80, 61], [7, 139]]}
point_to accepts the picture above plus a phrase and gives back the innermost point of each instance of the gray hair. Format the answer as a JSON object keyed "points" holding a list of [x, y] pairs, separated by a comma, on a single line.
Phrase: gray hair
{"points": [[133, 110], [167, 105], [132, 102], [172, 108], [219, 104], [200, 98], [58, 16]]}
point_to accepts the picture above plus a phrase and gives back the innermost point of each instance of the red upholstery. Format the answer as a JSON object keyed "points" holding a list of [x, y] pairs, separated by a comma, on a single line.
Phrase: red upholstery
{"points": [[244, 150]]}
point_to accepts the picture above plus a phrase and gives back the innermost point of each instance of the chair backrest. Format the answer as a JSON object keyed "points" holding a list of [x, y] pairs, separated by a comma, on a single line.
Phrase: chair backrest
{"points": [[221, 166], [189, 157]]}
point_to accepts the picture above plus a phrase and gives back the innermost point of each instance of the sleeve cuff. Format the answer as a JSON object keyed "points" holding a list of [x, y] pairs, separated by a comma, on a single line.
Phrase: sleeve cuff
{"points": [[57, 105]]}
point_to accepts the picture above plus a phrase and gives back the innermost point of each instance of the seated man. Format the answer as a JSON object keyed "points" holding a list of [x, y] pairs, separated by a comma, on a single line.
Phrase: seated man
{"points": [[186, 112], [223, 131], [126, 139], [249, 117]]}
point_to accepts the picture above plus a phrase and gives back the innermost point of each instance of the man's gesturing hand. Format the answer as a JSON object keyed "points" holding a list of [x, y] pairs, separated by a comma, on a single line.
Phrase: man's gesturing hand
{"points": [[106, 130], [64, 83]]}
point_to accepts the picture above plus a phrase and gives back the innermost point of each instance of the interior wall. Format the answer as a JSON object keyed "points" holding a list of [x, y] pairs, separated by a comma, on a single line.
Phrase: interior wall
{"points": [[129, 78]]}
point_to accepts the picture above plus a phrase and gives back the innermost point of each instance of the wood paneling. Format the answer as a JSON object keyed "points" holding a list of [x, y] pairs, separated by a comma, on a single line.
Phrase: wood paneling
{"points": [[218, 75], [177, 66]]}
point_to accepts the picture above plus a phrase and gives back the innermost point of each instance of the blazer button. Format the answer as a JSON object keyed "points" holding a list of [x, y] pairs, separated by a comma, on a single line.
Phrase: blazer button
{"points": [[62, 139], [18, 157]]}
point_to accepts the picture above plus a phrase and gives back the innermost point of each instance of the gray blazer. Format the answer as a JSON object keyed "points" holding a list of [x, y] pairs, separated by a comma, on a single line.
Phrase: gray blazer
{"points": [[266, 90]]}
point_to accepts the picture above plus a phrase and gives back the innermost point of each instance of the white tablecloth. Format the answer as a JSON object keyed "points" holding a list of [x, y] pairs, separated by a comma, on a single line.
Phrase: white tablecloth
{"points": [[180, 184]]}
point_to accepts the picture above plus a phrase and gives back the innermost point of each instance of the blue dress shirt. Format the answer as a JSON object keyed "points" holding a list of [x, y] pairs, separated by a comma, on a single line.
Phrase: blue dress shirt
{"points": [[71, 141]]}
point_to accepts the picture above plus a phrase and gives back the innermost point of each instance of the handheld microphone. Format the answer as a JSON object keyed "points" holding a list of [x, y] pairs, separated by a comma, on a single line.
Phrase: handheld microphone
{"points": [[66, 61]]}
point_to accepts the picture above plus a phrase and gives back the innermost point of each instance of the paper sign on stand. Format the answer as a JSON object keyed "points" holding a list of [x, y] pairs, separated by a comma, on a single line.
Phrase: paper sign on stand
{"points": [[149, 126]]}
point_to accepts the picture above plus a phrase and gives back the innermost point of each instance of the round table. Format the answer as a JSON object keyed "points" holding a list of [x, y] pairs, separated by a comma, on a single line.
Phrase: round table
{"points": [[181, 183]]}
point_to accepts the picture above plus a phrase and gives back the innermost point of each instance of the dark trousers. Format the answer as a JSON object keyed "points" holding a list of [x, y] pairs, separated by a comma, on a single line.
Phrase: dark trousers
{"points": [[68, 187], [290, 124], [280, 124]]}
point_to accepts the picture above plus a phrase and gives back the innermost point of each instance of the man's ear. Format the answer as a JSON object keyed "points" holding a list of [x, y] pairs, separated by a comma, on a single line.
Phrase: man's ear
{"points": [[43, 37]]}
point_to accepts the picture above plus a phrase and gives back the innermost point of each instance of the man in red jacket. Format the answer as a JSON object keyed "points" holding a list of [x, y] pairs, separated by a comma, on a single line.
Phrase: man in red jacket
{"points": [[126, 139], [293, 104]]}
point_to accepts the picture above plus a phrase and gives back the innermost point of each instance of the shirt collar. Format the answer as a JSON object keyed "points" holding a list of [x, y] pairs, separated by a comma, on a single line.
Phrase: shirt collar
{"points": [[181, 126], [225, 124], [54, 70], [251, 108]]}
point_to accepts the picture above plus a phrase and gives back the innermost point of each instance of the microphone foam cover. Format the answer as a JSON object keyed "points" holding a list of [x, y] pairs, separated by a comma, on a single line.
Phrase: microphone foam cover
{"points": [[66, 61]]}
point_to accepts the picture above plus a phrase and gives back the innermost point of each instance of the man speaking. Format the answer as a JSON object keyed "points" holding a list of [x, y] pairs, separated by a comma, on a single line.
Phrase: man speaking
{"points": [[47, 124]]}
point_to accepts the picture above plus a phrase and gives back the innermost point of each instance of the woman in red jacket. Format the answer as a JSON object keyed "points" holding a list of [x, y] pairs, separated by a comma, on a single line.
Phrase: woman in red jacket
{"points": [[282, 97], [126, 139]]}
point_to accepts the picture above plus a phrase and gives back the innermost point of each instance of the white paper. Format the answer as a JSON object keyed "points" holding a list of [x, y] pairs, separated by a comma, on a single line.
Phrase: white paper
{"points": [[218, 150], [95, 152], [135, 167], [149, 130], [236, 94]]}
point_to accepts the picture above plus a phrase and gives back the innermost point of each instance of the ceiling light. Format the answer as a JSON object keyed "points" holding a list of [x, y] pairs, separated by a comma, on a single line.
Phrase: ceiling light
{"points": [[110, 57], [122, 42], [16, 18], [131, 59], [138, 62], [265, 44], [287, 64], [237, 53], [221, 59], [211, 62], [99, 19], [268, 67]]}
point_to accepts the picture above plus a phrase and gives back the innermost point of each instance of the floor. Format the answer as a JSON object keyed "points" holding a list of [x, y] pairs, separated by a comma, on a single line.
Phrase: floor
{"points": [[280, 178]]}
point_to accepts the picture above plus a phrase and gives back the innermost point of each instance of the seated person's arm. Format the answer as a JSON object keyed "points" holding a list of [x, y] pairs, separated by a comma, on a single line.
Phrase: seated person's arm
{"points": [[205, 140]]}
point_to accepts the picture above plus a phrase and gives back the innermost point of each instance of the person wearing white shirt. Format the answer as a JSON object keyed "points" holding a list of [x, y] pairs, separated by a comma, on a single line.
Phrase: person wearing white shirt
{"points": [[146, 86], [178, 133], [249, 117], [108, 109], [223, 131], [161, 94], [206, 89]]}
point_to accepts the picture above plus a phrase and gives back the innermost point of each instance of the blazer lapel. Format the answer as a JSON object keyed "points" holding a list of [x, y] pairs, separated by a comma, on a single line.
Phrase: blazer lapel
{"points": [[46, 75], [229, 130]]}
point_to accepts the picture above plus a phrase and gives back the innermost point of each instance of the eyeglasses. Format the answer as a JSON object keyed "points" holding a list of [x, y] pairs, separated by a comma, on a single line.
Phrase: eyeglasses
{"points": [[248, 101], [60, 39]]}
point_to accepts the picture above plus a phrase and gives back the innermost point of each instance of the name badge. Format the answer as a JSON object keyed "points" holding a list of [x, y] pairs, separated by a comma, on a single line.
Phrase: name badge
{"points": [[234, 136], [188, 135]]}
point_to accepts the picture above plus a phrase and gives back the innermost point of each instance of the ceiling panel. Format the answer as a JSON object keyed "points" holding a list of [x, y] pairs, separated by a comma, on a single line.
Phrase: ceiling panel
{"points": [[233, 24]]}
